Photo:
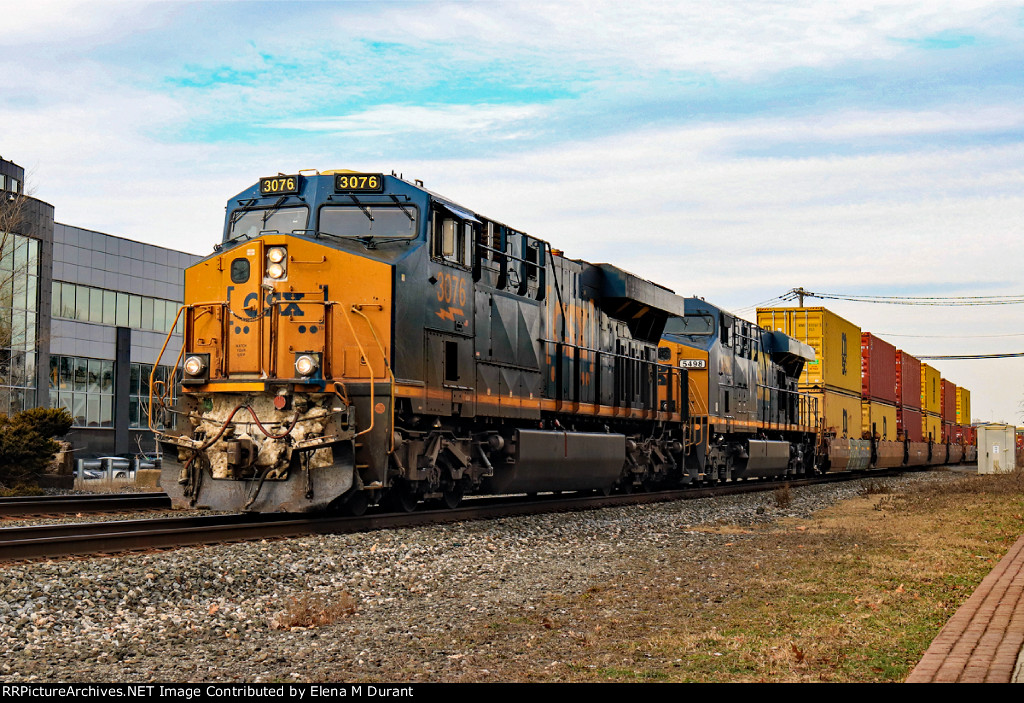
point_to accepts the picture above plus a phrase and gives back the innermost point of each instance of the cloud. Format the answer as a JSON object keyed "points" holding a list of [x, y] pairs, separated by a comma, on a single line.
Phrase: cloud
{"points": [[732, 150], [389, 120]]}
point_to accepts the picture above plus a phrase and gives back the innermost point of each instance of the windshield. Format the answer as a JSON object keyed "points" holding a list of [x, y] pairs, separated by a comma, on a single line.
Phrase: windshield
{"points": [[251, 222], [692, 325], [368, 221]]}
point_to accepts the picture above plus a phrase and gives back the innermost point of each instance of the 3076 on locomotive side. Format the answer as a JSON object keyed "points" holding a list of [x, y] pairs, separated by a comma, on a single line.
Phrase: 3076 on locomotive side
{"points": [[356, 337]]}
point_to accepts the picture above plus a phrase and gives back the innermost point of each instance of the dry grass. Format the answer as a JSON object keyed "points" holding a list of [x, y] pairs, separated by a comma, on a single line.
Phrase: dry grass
{"points": [[103, 485], [309, 610], [783, 496], [856, 593], [876, 487]]}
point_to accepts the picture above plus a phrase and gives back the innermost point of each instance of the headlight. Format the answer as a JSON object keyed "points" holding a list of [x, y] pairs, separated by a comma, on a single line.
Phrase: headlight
{"points": [[305, 365], [276, 255], [275, 270], [194, 365]]}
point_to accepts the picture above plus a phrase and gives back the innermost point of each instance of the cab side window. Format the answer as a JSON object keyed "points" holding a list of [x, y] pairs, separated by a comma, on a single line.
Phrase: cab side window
{"points": [[451, 239]]}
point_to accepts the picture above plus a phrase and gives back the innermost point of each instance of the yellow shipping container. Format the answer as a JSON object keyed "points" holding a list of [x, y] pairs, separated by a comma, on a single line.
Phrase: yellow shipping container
{"points": [[931, 427], [878, 418], [931, 390], [841, 413], [836, 345], [963, 406]]}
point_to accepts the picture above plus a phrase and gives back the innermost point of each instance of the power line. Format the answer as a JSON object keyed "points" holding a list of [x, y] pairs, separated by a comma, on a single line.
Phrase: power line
{"points": [[936, 300], [948, 336], [951, 357]]}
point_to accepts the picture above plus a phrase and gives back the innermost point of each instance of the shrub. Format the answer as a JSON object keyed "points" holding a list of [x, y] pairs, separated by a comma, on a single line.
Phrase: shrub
{"points": [[783, 496], [312, 610], [26, 442]]}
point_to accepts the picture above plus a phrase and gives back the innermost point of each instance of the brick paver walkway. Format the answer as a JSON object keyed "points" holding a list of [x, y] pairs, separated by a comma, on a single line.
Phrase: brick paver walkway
{"points": [[983, 640]]}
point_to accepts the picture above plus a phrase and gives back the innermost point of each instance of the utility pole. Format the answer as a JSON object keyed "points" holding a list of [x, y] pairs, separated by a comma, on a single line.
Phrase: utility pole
{"points": [[800, 293]]}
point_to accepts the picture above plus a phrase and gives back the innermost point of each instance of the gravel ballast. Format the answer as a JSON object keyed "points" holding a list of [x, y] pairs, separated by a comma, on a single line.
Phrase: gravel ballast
{"points": [[219, 614]]}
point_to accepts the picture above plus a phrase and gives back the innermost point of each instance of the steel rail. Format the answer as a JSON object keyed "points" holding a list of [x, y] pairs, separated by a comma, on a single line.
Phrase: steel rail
{"points": [[82, 503], [71, 539]]}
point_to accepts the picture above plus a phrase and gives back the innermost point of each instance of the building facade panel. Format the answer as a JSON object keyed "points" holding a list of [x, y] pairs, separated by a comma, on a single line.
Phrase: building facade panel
{"points": [[113, 313]]}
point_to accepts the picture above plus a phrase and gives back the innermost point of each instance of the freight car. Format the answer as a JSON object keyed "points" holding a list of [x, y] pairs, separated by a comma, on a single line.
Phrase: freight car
{"points": [[356, 338]]}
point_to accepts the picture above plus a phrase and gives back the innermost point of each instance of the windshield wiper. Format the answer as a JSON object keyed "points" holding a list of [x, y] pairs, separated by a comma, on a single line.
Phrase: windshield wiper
{"points": [[399, 204], [365, 240], [368, 241], [247, 207], [277, 206], [366, 210]]}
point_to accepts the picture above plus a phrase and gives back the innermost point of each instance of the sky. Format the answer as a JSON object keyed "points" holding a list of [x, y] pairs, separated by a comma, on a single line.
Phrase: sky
{"points": [[732, 150]]}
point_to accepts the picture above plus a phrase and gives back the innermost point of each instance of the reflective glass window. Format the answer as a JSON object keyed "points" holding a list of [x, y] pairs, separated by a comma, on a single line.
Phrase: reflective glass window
{"points": [[67, 301], [78, 408], [106, 411], [134, 311], [121, 319], [93, 385], [17, 368], [17, 400], [31, 334], [159, 316], [18, 331], [106, 376], [32, 293], [67, 373], [96, 305], [55, 300], [146, 371], [81, 368], [109, 307], [64, 401], [81, 302], [147, 314]]}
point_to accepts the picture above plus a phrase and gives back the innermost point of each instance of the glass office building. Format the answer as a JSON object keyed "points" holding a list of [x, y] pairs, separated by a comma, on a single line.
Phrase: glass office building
{"points": [[26, 244], [83, 316]]}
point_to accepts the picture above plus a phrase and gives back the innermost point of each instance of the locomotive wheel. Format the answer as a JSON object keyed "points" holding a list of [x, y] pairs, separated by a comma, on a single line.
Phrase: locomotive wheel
{"points": [[357, 504], [406, 501], [403, 499], [453, 496]]}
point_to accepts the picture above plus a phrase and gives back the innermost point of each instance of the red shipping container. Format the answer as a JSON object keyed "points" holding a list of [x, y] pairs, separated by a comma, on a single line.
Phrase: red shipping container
{"points": [[948, 401], [877, 369], [908, 380], [908, 422], [948, 435]]}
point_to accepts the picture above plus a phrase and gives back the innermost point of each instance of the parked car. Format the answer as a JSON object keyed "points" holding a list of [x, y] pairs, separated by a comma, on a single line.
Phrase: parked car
{"points": [[117, 466]]}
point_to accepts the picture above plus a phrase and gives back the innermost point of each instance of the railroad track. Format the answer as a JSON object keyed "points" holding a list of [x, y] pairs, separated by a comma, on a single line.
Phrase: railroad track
{"points": [[21, 506], [71, 539]]}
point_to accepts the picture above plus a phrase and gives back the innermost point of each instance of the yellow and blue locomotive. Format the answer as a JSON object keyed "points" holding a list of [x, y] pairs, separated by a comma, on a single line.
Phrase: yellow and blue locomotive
{"points": [[356, 337], [747, 417]]}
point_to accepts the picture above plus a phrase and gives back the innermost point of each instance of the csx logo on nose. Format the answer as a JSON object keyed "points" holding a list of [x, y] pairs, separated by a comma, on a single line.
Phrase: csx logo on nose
{"points": [[289, 310]]}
